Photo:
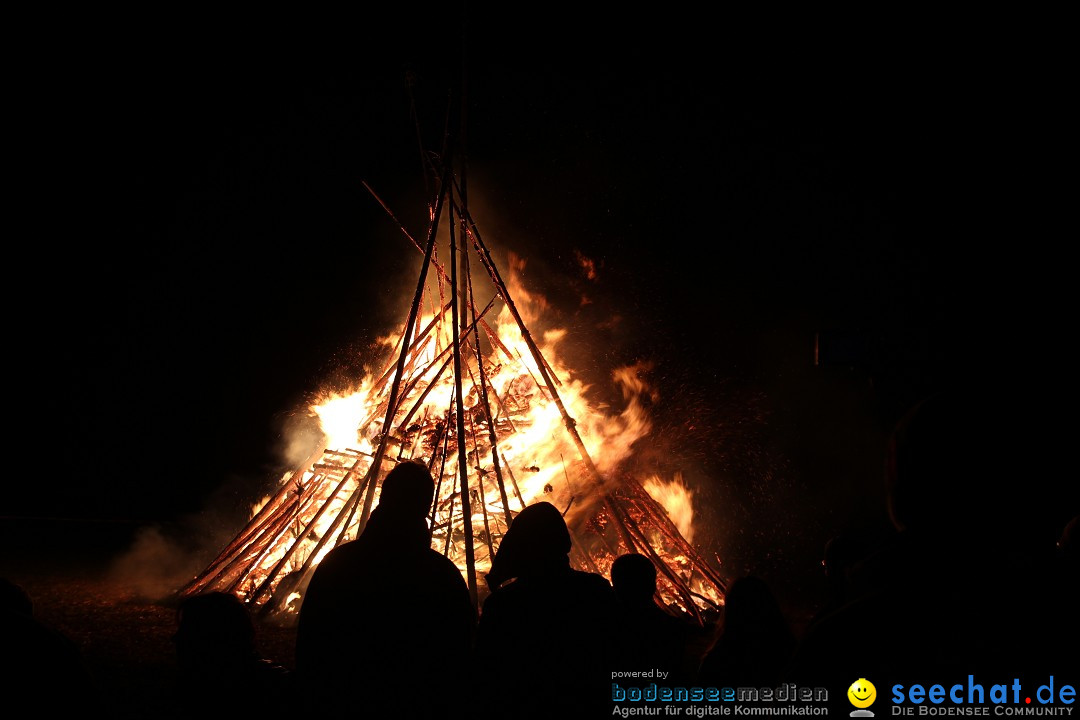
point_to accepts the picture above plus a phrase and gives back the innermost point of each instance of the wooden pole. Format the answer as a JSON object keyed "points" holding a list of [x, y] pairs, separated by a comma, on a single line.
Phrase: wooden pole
{"points": [[390, 368], [264, 534], [440, 270], [431, 385], [280, 529], [322, 541], [513, 481], [255, 527], [541, 364], [481, 493], [659, 516], [493, 439], [442, 470], [391, 405], [463, 465], [450, 513]]}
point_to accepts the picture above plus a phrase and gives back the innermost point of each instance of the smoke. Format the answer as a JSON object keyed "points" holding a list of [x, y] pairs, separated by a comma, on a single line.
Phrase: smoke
{"points": [[164, 557], [155, 565], [300, 437]]}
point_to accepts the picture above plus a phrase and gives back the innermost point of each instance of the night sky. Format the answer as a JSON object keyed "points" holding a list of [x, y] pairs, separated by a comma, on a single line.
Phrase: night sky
{"points": [[200, 254]]}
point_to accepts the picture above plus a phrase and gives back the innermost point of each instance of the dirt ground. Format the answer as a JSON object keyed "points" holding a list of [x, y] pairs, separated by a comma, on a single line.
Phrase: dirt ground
{"points": [[125, 639]]}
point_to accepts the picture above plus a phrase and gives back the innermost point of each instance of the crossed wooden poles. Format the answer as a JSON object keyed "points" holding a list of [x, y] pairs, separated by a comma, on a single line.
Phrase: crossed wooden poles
{"points": [[328, 498]]}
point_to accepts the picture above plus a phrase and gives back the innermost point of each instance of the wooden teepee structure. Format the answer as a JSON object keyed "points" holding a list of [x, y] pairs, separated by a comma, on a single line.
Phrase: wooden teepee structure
{"points": [[498, 422]]}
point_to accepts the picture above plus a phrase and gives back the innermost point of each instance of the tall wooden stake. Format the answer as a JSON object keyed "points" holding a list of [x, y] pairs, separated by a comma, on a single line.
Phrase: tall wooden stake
{"points": [[459, 410], [391, 405]]}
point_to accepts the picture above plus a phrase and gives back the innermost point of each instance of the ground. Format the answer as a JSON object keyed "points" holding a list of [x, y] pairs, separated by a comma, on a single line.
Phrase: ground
{"points": [[125, 638]]}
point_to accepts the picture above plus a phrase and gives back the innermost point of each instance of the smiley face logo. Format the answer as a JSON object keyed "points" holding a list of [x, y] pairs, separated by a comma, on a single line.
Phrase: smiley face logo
{"points": [[862, 693]]}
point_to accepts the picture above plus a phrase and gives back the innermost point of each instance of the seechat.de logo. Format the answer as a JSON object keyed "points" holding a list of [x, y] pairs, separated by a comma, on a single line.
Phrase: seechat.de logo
{"points": [[862, 694], [975, 698]]}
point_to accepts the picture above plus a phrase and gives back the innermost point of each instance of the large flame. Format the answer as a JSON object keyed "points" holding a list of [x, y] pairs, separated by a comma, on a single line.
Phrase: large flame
{"points": [[340, 416], [677, 499], [521, 448]]}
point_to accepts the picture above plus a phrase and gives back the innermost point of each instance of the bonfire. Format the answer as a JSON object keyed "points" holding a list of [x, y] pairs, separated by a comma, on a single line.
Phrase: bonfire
{"points": [[501, 423]]}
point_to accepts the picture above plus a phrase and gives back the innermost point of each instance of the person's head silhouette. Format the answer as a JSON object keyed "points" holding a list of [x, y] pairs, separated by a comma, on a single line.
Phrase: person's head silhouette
{"points": [[537, 542], [840, 556], [214, 631], [927, 480], [634, 578], [955, 473], [407, 491], [750, 607], [1067, 543], [404, 501]]}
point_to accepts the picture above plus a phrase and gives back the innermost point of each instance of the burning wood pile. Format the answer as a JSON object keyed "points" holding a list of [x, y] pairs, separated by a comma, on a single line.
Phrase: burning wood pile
{"points": [[498, 420]]}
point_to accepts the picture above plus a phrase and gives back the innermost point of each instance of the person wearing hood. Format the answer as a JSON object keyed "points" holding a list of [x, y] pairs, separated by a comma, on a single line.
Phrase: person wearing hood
{"points": [[386, 619], [547, 632]]}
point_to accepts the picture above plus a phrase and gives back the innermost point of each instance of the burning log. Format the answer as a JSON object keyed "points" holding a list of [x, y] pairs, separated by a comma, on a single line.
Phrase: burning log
{"points": [[513, 481]]}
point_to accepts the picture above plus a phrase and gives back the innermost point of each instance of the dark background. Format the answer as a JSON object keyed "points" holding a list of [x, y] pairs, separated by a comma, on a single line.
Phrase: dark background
{"points": [[196, 254]]}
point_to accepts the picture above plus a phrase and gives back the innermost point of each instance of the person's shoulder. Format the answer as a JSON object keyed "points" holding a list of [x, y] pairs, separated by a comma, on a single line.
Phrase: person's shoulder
{"points": [[343, 551], [269, 671], [492, 602], [343, 554], [437, 559], [590, 579], [682, 625], [511, 595], [439, 563], [340, 566], [593, 583]]}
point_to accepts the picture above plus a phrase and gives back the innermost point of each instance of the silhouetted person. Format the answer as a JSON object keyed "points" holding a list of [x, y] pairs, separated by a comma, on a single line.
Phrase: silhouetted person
{"points": [[1067, 564], [649, 636], [755, 643], [1068, 546], [14, 598], [386, 624], [964, 587], [840, 556], [221, 673], [546, 633], [40, 668]]}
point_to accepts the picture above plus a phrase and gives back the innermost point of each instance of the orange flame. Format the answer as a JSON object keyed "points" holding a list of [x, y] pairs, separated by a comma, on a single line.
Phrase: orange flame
{"points": [[677, 499], [537, 457]]}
